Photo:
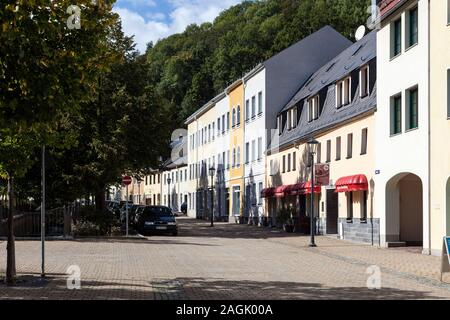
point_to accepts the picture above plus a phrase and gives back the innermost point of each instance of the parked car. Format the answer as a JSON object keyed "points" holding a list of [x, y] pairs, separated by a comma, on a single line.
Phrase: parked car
{"points": [[157, 220]]}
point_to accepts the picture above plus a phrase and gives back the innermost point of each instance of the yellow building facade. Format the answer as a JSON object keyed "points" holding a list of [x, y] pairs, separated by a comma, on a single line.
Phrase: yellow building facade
{"points": [[236, 180]]}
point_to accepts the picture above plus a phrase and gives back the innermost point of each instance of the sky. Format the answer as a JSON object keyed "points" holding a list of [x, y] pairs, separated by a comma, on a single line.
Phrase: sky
{"points": [[151, 20]]}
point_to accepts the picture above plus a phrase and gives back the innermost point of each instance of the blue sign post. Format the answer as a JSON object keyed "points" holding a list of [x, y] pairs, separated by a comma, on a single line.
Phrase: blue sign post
{"points": [[445, 267]]}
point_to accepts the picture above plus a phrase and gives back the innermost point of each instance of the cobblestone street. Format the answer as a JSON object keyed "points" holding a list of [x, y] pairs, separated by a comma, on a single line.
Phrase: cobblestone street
{"points": [[226, 262]]}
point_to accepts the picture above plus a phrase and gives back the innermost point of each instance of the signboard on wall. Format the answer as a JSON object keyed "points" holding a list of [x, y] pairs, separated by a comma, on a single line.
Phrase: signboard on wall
{"points": [[322, 174]]}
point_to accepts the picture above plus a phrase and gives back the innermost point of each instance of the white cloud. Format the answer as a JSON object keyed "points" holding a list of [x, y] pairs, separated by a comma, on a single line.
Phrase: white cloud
{"points": [[184, 12]]}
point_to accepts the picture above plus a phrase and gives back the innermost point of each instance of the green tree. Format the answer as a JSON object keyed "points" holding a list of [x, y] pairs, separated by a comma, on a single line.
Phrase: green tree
{"points": [[46, 70]]}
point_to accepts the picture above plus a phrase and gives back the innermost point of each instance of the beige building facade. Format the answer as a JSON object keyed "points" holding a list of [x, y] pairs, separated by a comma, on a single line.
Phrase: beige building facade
{"points": [[439, 122], [336, 107]]}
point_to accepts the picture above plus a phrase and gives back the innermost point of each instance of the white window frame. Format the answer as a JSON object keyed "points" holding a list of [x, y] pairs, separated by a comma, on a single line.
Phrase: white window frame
{"points": [[313, 108], [364, 82], [343, 92]]}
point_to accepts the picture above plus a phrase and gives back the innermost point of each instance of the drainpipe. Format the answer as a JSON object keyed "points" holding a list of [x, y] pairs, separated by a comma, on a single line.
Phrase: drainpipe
{"points": [[429, 129]]}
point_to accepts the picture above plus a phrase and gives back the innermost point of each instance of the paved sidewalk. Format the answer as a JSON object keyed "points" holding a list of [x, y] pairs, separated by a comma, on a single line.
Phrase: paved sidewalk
{"points": [[225, 262]]}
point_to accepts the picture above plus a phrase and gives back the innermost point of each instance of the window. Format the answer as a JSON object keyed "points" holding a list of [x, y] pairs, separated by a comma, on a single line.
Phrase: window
{"points": [[213, 130], [234, 157], [343, 95], [364, 81], [448, 89], [253, 106], [253, 150], [319, 153], [238, 157], [223, 124], [396, 38], [349, 145], [364, 141], [284, 164], [228, 120], [396, 115], [349, 206], [260, 148], [313, 108], [247, 152], [238, 120], [247, 110], [412, 116], [294, 161], [209, 133], [233, 123], [228, 160], [280, 125], [260, 188], [260, 103], [236, 201], [289, 122], [448, 12], [218, 126], [293, 117], [289, 163], [328, 151], [338, 148], [364, 206], [412, 27]]}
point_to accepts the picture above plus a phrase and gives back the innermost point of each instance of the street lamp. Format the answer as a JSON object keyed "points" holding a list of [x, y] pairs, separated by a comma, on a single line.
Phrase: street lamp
{"points": [[312, 150], [168, 191], [212, 171]]}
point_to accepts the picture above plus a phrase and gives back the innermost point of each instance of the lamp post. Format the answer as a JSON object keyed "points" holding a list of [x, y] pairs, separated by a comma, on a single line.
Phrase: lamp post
{"points": [[212, 171], [168, 191], [312, 149]]}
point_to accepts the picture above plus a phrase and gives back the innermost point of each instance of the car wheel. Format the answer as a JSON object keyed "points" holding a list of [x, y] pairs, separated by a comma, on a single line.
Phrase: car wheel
{"points": [[175, 234]]}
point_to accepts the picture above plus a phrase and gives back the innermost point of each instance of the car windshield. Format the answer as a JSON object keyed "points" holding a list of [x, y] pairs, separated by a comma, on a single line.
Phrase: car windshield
{"points": [[159, 211]]}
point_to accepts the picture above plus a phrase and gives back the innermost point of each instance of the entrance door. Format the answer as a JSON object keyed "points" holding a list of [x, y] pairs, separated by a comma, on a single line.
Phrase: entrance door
{"points": [[227, 202], [332, 212]]}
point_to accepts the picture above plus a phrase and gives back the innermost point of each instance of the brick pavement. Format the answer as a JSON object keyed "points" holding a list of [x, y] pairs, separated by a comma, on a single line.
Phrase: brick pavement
{"points": [[227, 262]]}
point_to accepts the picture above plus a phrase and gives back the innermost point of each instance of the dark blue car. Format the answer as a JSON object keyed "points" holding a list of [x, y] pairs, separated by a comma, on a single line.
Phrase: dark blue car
{"points": [[157, 220]]}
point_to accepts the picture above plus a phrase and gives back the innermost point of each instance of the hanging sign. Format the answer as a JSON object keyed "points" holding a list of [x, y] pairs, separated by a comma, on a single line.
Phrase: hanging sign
{"points": [[322, 173]]}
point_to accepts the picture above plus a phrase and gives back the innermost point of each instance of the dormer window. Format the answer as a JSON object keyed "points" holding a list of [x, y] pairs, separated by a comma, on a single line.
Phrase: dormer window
{"points": [[364, 81], [293, 117], [280, 125], [343, 96], [313, 108]]}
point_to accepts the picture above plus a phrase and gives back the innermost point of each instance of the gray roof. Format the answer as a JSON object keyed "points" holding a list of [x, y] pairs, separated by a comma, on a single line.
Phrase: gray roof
{"points": [[288, 70], [323, 82]]}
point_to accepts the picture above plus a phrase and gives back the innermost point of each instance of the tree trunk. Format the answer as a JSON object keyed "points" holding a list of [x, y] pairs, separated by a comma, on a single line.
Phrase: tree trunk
{"points": [[100, 200], [10, 249]]}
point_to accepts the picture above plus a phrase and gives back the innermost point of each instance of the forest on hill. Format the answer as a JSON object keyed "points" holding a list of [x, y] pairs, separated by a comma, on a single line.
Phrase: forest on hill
{"points": [[190, 68]]}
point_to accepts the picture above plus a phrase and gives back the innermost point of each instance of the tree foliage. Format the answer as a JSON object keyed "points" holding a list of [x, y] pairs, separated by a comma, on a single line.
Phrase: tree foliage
{"points": [[188, 69]]}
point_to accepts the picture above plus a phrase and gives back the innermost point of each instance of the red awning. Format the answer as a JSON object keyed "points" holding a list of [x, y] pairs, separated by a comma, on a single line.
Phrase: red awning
{"points": [[267, 193], [280, 191], [352, 183], [302, 188]]}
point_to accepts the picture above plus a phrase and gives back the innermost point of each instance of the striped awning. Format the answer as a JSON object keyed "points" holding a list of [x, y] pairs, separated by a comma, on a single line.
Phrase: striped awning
{"points": [[352, 183]]}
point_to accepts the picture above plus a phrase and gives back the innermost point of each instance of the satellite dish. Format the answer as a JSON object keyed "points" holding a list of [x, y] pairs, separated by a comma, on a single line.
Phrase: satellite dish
{"points": [[360, 33]]}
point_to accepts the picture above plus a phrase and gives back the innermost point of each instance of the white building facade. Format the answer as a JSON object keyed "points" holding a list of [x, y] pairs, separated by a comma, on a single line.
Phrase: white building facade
{"points": [[402, 126]]}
